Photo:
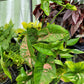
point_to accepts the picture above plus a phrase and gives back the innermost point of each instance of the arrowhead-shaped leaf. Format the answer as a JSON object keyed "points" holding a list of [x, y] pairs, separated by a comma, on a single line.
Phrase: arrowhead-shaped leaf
{"points": [[72, 42]]}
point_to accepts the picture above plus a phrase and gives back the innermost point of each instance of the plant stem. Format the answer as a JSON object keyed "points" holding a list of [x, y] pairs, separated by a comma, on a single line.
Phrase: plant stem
{"points": [[43, 20], [57, 15]]}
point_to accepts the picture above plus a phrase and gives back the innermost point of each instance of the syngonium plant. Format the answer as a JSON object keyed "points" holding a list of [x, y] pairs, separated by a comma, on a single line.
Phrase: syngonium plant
{"points": [[46, 46]]}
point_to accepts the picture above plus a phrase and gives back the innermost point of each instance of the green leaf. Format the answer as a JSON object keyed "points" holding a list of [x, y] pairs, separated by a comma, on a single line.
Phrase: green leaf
{"points": [[45, 6], [58, 46], [66, 55], [29, 45], [59, 2], [75, 67], [81, 78], [29, 82], [42, 76], [72, 42], [75, 51], [0, 50], [70, 65], [7, 31], [42, 32], [32, 34], [56, 29], [51, 38], [75, 78], [6, 36], [55, 32], [43, 48], [79, 66], [5, 44], [74, 72], [58, 62], [22, 76], [71, 7], [4, 67], [41, 57], [69, 77], [38, 72]]}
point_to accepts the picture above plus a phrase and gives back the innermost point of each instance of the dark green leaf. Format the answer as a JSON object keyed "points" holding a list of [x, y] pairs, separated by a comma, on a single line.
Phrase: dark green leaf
{"points": [[41, 57], [32, 34]]}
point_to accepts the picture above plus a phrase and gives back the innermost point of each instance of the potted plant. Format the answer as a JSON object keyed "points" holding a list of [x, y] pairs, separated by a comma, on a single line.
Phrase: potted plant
{"points": [[42, 47]]}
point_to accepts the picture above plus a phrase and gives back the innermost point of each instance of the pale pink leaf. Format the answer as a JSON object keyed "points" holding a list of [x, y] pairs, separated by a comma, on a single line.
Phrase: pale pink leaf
{"points": [[67, 15], [75, 27], [75, 16]]}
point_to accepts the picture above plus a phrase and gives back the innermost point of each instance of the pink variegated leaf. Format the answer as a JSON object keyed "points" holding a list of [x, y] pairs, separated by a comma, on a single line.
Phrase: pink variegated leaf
{"points": [[67, 15], [75, 16], [75, 27]]}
